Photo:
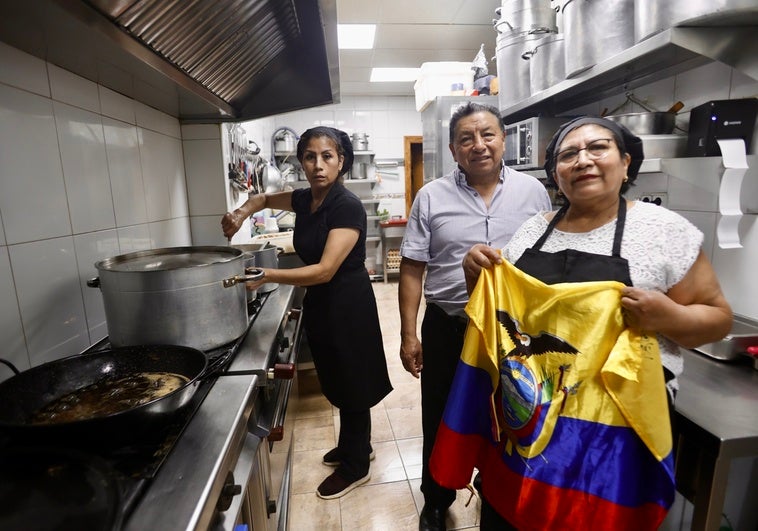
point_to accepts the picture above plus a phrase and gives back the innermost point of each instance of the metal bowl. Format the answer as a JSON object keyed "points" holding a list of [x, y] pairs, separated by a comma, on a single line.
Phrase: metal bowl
{"points": [[647, 123]]}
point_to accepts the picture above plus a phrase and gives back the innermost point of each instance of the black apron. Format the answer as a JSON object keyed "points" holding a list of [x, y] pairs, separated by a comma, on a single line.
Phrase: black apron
{"points": [[577, 266], [570, 265]]}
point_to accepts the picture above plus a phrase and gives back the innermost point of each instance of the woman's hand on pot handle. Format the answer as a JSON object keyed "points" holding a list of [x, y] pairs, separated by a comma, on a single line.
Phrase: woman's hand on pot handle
{"points": [[478, 257]]}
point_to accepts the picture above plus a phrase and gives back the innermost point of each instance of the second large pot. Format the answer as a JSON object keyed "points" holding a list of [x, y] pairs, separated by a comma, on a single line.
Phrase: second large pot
{"points": [[653, 16], [546, 62], [174, 296], [596, 30]]}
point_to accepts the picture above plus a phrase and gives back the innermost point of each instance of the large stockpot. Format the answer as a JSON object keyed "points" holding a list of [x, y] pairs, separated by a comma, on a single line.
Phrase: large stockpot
{"points": [[654, 16], [596, 30], [530, 16], [174, 296], [546, 62], [512, 69]]}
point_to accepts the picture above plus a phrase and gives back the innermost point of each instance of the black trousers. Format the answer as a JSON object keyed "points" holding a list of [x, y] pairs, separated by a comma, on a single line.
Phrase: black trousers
{"points": [[442, 340], [354, 443]]}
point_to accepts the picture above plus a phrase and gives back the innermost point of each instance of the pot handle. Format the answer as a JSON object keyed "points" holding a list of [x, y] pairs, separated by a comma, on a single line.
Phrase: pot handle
{"points": [[94, 282], [10, 366], [251, 275]]}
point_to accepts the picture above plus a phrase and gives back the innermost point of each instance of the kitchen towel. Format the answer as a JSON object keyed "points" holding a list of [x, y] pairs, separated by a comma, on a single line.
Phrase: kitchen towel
{"points": [[561, 408], [734, 159]]}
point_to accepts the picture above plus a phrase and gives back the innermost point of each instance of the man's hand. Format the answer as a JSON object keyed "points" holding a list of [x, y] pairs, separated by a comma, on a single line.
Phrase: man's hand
{"points": [[412, 356]]}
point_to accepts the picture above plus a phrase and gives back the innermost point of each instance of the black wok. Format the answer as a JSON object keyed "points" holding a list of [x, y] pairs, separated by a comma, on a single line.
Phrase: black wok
{"points": [[24, 394]]}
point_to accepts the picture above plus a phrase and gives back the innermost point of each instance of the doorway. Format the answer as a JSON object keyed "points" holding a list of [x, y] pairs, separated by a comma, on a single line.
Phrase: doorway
{"points": [[413, 156]]}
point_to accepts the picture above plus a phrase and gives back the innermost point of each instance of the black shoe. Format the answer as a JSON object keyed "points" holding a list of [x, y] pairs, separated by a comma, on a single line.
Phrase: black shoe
{"points": [[432, 518], [331, 458], [335, 486]]}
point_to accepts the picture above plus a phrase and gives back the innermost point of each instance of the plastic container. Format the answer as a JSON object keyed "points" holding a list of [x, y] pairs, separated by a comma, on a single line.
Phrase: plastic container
{"points": [[436, 79]]}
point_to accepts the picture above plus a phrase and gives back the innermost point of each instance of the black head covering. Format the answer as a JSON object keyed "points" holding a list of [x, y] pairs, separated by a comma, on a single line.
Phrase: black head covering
{"points": [[627, 142], [341, 138]]}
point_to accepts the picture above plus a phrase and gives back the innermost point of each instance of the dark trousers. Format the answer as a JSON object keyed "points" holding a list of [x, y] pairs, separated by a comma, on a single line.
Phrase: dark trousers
{"points": [[442, 340], [354, 443]]}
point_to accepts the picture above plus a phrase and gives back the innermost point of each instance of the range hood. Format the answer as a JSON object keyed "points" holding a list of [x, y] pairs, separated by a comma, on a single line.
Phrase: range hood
{"points": [[202, 61]]}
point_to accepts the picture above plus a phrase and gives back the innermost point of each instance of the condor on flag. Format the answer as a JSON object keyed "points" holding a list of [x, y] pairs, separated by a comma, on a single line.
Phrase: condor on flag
{"points": [[561, 408]]}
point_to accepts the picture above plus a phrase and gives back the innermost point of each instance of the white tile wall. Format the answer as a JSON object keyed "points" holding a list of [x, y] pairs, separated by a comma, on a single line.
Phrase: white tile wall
{"points": [[91, 248], [85, 168], [23, 71], [125, 170], [72, 89], [51, 302], [31, 170], [79, 166], [11, 331], [385, 119]]}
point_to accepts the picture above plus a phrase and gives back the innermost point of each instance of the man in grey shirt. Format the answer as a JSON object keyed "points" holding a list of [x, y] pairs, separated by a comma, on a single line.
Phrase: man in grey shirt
{"points": [[482, 201]]}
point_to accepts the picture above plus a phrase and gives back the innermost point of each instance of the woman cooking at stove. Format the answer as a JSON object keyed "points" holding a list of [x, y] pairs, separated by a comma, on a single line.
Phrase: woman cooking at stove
{"points": [[340, 313], [671, 289]]}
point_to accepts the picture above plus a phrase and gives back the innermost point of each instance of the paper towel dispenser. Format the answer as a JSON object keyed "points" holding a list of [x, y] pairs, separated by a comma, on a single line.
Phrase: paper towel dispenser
{"points": [[718, 120]]}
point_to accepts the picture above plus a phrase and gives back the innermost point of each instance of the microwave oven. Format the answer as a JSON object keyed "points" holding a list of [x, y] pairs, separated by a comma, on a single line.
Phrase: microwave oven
{"points": [[525, 141]]}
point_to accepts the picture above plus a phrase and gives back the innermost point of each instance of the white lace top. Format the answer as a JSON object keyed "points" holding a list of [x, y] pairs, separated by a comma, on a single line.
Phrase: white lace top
{"points": [[660, 246]]}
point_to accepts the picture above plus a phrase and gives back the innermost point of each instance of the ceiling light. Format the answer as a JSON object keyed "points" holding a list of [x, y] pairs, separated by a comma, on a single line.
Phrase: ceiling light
{"points": [[394, 74], [355, 36]]}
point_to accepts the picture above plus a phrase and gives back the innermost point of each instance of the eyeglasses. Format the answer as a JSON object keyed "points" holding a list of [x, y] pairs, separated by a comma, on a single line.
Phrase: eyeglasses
{"points": [[597, 149]]}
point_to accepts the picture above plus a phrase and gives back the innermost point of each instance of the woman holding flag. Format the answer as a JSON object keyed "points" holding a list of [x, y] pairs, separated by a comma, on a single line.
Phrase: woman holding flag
{"points": [[572, 350]]}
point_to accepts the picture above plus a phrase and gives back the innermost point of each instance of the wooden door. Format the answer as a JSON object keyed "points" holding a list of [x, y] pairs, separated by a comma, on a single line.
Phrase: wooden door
{"points": [[414, 169]]}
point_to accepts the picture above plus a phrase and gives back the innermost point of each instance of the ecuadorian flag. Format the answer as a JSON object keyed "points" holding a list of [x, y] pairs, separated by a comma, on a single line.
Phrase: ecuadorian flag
{"points": [[561, 408]]}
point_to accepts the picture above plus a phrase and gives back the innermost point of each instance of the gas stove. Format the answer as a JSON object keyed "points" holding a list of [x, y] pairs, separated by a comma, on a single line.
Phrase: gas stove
{"points": [[192, 473]]}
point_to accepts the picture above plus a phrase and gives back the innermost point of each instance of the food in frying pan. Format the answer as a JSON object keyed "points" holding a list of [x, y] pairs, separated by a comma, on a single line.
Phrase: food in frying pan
{"points": [[109, 396]]}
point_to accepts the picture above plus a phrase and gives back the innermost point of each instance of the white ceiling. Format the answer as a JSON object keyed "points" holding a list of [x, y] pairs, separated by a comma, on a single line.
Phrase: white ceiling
{"points": [[412, 32]]}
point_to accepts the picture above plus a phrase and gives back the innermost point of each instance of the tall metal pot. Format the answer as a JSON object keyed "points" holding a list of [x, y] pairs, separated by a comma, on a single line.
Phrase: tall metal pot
{"points": [[596, 30], [654, 16], [530, 16], [512, 69], [546, 62], [174, 296]]}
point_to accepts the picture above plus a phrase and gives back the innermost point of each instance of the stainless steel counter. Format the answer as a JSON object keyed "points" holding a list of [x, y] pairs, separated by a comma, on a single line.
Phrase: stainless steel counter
{"points": [[187, 487], [717, 421]]}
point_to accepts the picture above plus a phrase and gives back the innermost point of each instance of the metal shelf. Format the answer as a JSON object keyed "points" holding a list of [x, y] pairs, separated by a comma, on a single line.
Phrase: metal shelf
{"points": [[658, 57]]}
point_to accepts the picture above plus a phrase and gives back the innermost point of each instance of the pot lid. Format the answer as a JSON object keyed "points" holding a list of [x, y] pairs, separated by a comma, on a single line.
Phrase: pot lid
{"points": [[169, 258]]}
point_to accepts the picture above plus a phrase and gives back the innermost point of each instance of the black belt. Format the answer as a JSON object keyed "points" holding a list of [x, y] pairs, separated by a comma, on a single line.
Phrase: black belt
{"points": [[456, 319]]}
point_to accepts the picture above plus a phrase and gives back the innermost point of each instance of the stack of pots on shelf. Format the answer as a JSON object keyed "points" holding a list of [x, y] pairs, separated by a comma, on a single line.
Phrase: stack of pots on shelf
{"points": [[595, 30], [359, 170], [654, 16], [521, 25]]}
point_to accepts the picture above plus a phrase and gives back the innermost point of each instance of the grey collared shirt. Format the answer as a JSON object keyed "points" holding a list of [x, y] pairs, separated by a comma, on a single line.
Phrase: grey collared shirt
{"points": [[448, 217]]}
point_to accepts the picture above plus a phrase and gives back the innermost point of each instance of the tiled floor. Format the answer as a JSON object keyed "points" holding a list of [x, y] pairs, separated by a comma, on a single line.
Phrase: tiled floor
{"points": [[391, 500]]}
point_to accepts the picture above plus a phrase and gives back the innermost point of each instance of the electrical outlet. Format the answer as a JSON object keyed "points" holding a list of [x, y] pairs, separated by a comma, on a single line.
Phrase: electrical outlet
{"points": [[657, 198]]}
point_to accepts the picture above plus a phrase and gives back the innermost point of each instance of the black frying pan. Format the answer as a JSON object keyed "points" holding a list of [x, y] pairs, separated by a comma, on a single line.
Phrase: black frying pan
{"points": [[22, 395]]}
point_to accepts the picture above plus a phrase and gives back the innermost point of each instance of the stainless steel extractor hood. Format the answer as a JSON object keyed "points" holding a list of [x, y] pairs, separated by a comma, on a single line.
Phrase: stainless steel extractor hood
{"points": [[198, 60]]}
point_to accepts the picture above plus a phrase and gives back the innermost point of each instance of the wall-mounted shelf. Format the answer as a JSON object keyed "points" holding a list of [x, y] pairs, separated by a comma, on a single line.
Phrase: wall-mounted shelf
{"points": [[668, 53]]}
